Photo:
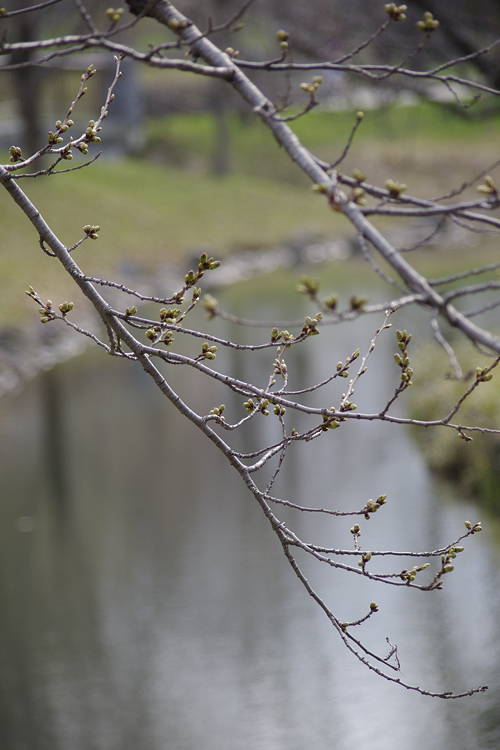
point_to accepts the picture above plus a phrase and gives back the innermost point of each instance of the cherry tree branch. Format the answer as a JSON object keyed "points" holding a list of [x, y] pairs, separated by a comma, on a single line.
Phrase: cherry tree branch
{"points": [[148, 341]]}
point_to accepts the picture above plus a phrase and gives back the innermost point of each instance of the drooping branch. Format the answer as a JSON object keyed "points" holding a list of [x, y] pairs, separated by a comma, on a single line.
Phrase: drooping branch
{"points": [[126, 331]]}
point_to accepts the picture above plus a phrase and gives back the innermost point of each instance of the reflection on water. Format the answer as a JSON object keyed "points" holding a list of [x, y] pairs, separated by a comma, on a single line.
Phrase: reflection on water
{"points": [[146, 605]]}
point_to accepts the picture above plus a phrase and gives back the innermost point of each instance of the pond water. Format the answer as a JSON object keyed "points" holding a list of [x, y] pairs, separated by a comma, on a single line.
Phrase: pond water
{"points": [[146, 605]]}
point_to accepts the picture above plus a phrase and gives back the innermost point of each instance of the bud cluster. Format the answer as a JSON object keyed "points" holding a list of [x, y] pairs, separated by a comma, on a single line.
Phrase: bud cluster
{"points": [[210, 304], [330, 423], [153, 333], [346, 405], [311, 88], [205, 264], [395, 189], [331, 302], [309, 286], [372, 506], [396, 13], [156, 335], [358, 196], [16, 154], [66, 307], [489, 187], [46, 310], [91, 231], [403, 360], [473, 528], [357, 303], [218, 410], [91, 133], [208, 352], [282, 37], [261, 406], [280, 368], [284, 336], [358, 175], [482, 374], [429, 24], [114, 14], [410, 575], [177, 24], [310, 327], [320, 187], [54, 138], [365, 558], [341, 370], [170, 315]]}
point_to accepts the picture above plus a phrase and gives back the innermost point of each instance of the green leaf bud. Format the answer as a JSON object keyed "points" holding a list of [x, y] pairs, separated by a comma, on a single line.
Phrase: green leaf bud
{"points": [[358, 175], [320, 187]]}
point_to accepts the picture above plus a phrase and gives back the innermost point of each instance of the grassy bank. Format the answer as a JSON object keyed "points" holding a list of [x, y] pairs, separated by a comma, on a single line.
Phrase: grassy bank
{"points": [[163, 208], [474, 467], [150, 215]]}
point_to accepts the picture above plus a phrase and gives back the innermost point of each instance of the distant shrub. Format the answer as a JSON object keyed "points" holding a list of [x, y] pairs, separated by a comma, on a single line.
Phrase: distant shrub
{"points": [[474, 466]]}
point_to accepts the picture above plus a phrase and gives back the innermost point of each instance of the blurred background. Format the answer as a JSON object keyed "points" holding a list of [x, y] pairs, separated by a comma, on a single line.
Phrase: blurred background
{"points": [[144, 601]]}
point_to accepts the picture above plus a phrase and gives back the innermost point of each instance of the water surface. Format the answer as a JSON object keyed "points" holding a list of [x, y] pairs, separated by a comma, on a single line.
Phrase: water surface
{"points": [[145, 603]]}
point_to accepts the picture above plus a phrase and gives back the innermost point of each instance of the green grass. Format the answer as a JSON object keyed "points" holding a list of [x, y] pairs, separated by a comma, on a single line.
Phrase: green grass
{"points": [[474, 467], [163, 208], [149, 216], [188, 139]]}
